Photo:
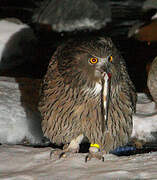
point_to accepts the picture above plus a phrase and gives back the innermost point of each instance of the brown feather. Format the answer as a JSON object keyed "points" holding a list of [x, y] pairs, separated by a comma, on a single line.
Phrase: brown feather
{"points": [[69, 104]]}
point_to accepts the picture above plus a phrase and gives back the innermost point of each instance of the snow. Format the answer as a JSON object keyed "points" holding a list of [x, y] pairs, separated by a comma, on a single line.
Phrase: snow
{"points": [[17, 43], [145, 119], [154, 16], [19, 119], [7, 29], [80, 24]]}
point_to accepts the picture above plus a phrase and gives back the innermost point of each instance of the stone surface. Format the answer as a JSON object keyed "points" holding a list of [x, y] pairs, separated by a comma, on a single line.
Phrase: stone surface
{"points": [[19, 162], [152, 79]]}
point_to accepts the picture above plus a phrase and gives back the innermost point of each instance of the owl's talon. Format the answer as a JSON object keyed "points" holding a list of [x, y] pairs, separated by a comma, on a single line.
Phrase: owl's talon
{"points": [[57, 152], [54, 151], [65, 146], [63, 153], [98, 156], [71, 148], [87, 158]]}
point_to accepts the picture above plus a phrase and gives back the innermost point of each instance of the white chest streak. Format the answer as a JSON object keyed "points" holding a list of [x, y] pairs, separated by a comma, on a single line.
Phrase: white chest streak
{"points": [[105, 91]]}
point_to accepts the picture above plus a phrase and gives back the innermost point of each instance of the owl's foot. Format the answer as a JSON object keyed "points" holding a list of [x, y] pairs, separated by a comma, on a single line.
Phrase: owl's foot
{"points": [[98, 155], [65, 152], [94, 152], [68, 149]]}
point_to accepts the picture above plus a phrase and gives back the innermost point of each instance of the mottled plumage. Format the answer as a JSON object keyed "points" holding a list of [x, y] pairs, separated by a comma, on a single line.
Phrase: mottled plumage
{"points": [[72, 101]]}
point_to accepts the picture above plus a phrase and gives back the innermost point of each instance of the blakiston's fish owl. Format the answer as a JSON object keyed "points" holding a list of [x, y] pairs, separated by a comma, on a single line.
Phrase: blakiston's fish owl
{"points": [[87, 92]]}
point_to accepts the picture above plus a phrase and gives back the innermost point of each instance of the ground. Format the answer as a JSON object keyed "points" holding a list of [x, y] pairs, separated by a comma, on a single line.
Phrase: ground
{"points": [[27, 163]]}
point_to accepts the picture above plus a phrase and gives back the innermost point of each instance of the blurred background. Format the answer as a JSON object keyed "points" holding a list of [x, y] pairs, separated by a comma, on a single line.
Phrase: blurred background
{"points": [[131, 24]]}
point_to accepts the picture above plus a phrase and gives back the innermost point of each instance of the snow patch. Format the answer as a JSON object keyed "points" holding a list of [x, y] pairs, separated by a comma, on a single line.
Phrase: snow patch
{"points": [[19, 121], [17, 44], [79, 25], [154, 16], [145, 119]]}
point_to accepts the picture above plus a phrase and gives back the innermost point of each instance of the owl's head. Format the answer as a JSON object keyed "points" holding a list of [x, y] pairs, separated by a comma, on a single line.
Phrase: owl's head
{"points": [[87, 62]]}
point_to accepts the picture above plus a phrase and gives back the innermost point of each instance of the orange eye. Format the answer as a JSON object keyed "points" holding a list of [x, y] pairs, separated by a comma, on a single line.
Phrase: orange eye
{"points": [[110, 58], [93, 60]]}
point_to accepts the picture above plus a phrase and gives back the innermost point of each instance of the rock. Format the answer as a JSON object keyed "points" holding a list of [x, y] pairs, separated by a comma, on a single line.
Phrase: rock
{"points": [[149, 4], [70, 15], [146, 31], [27, 163], [152, 80]]}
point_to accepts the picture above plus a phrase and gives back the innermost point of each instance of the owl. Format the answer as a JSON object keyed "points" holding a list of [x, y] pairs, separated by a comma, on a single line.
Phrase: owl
{"points": [[87, 94]]}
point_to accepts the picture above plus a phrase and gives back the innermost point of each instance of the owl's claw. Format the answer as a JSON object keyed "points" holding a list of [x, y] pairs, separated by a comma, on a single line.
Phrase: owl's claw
{"points": [[53, 152], [63, 153], [71, 148], [94, 152], [97, 155], [57, 152]]}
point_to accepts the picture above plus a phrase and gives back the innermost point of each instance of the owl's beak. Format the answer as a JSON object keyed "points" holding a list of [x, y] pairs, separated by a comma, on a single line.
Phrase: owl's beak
{"points": [[103, 69]]}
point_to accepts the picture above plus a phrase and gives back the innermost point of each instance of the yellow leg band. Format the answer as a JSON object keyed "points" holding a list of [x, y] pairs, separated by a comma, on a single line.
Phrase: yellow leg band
{"points": [[95, 145]]}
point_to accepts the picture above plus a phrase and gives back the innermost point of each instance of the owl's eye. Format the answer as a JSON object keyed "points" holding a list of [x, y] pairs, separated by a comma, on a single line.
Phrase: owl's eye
{"points": [[110, 58], [93, 60]]}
